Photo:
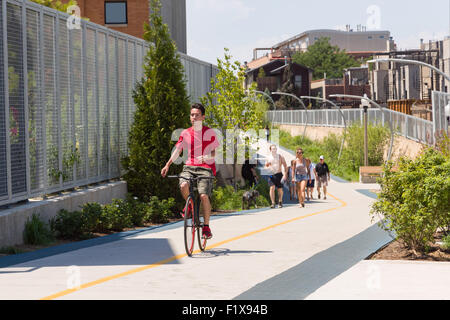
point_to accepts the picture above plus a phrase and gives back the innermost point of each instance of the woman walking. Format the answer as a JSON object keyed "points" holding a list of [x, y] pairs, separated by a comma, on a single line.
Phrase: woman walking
{"points": [[312, 179], [301, 176], [291, 181]]}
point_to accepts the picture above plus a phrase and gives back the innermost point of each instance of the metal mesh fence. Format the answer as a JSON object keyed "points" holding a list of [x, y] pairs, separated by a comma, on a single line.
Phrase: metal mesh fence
{"points": [[3, 103], [66, 102], [408, 126]]}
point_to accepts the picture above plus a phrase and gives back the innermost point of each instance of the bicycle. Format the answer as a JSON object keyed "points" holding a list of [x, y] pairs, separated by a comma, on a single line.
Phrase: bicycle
{"points": [[191, 216]]}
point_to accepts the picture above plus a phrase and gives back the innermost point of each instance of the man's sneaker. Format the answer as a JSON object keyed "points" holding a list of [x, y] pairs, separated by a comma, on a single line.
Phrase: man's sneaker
{"points": [[319, 195], [206, 233], [182, 212], [280, 205], [273, 206]]}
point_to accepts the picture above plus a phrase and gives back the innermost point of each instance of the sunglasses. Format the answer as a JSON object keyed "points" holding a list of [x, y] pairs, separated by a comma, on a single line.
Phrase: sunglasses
{"points": [[299, 152]]}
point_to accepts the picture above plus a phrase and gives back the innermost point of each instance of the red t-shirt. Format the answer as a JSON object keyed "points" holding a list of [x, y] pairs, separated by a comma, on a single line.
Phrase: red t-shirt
{"points": [[198, 143]]}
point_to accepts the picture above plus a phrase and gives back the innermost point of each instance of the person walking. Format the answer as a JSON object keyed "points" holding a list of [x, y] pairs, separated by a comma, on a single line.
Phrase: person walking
{"points": [[323, 176], [291, 181], [311, 181], [301, 176], [249, 173], [275, 162]]}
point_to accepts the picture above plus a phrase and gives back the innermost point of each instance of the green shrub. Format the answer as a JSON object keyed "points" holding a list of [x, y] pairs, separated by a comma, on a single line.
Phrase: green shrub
{"points": [[159, 211], [91, 218], [415, 200], [226, 198], [115, 216], [37, 232], [446, 242], [68, 225], [136, 209], [11, 250]]}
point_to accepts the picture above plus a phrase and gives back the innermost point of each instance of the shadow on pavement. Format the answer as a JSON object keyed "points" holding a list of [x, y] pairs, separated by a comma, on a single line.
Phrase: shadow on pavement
{"points": [[125, 252], [302, 280], [217, 252]]}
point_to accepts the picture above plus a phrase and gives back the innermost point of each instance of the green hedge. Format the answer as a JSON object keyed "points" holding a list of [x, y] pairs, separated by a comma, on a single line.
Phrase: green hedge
{"points": [[415, 199], [116, 216]]}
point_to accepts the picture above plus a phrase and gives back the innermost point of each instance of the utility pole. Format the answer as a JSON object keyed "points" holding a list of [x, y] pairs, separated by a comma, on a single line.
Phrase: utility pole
{"points": [[366, 140]]}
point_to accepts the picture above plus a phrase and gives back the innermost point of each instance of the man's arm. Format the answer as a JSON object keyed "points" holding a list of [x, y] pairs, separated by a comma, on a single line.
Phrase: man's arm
{"points": [[173, 158], [283, 163]]}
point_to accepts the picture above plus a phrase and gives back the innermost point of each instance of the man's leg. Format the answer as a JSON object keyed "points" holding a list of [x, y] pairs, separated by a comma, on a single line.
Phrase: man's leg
{"points": [[206, 205], [184, 188], [280, 195], [272, 194]]}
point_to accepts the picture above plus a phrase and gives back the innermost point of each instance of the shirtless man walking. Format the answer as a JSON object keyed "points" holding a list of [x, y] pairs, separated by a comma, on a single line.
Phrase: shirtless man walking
{"points": [[274, 162]]}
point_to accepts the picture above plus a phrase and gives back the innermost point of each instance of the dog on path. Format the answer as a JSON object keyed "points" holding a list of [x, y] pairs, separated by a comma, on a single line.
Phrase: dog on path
{"points": [[249, 198]]}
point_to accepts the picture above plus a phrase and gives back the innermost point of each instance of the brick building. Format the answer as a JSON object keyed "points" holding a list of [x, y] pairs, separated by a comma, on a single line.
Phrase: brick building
{"points": [[271, 77], [128, 16]]}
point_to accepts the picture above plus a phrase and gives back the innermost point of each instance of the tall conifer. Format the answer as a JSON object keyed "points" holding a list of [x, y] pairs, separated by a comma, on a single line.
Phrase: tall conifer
{"points": [[162, 106]]}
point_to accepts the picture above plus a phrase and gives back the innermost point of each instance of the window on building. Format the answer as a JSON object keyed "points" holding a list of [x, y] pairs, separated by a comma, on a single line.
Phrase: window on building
{"points": [[298, 82], [116, 12], [370, 37]]}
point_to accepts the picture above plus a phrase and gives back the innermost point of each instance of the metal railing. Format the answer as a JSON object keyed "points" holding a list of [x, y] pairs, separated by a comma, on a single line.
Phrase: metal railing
{"points": [[66, 101], [411, 127]]}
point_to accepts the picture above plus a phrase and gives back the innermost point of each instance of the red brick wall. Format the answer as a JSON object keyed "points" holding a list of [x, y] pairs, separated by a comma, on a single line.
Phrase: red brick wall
{"points": [[137, 14]]}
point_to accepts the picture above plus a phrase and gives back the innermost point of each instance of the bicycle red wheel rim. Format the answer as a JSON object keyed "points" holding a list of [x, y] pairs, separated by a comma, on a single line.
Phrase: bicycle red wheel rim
{"points": [[201, 240], [189, 228]]}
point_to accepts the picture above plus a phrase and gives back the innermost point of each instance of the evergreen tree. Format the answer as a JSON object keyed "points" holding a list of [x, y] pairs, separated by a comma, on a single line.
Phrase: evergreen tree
{"points": [[162, 106]]}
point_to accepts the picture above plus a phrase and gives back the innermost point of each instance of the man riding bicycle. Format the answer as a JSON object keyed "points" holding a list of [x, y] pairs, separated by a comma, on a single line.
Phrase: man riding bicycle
{"points": [[200, 142]]}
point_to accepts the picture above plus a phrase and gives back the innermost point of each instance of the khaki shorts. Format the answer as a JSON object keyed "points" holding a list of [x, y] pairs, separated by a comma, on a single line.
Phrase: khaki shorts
{"points": [[322, 181], [204, 186]]}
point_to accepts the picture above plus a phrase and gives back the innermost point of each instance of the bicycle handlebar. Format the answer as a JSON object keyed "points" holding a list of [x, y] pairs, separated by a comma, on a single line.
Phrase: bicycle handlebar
{"points": [[190, 179]]}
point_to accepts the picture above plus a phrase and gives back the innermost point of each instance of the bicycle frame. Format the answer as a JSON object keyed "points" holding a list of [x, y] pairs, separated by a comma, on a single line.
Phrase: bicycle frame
{"points": [[197, 225]]}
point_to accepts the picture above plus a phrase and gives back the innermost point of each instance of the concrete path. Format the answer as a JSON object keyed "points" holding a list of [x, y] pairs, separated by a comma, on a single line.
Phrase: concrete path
{"points": [[316, 252]]}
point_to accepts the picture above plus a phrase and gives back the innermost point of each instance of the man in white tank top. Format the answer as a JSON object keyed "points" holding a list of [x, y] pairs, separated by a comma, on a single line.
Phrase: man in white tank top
{"points": [[274, 163]]}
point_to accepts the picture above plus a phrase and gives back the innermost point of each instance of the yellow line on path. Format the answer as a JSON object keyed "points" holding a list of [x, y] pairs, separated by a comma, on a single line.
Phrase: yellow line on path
{"points": [[180, 256]]}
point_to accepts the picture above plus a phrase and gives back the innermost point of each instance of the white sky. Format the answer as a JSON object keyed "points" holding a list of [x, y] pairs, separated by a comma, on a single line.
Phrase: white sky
{"points": [[242, 25]]}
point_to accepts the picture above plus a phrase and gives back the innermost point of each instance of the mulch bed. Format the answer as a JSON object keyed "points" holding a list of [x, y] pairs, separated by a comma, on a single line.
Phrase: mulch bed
{"points": [[396, 250]]}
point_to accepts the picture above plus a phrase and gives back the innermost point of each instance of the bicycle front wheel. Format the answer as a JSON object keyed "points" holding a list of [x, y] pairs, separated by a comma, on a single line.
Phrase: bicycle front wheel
{"points": [[201, 240], [189, 226]]}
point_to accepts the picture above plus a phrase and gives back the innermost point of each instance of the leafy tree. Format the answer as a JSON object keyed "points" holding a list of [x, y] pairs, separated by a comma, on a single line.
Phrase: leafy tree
{"points": [[227, 105], [162, 106], [322, 57], [57, 5]]}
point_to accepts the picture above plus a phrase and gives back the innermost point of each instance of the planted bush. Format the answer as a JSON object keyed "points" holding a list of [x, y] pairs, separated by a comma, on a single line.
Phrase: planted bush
{"points": [[137, 210], [159, 211], [37, 232], [415, 200], [68, 225], [226, 198], [116, 215]]}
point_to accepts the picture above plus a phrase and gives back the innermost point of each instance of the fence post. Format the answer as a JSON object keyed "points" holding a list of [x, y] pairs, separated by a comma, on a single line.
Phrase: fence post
{"points": [[6, 84], [97, 102], [85, 101], [25, 100], [42, 96], [58, 97]]}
